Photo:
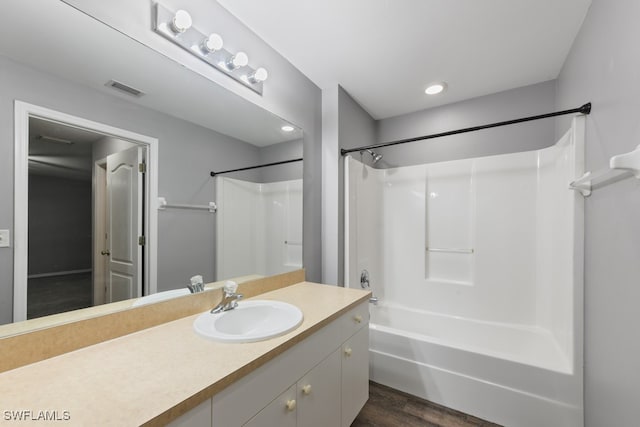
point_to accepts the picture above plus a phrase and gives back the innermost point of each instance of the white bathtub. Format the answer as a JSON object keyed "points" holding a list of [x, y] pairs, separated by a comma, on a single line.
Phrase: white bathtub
{"points": [[511, 375]]}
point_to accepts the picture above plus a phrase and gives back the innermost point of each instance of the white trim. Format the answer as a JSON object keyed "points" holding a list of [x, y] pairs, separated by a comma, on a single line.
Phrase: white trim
{"points": [[59, 273], [23, 111], [99, 202]]}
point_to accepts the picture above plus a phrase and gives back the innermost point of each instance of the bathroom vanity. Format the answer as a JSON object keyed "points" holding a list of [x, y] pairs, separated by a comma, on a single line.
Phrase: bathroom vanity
{"points": [[315, 375], [321, 381]]}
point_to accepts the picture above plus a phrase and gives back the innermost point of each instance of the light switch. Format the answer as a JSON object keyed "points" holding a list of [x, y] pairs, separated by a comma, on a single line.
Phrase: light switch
{"points": [[5, 239]]}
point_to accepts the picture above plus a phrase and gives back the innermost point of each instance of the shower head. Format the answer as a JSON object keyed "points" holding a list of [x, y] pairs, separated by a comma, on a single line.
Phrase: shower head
{"points": [[376, 157]]}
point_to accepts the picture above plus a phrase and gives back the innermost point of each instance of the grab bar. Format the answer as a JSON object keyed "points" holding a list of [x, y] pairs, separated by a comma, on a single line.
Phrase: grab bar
{"points": [[450, 250]]}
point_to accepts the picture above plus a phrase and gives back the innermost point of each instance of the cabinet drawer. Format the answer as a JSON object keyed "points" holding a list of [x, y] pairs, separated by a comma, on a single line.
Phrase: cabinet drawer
{"points": [[353, 320]]}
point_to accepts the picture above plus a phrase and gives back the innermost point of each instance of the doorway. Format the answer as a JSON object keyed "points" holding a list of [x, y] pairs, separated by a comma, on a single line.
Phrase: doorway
{"points": [[85, 228]]}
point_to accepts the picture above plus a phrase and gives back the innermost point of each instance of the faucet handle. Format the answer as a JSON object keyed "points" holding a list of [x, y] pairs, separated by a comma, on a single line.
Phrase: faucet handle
{"points": [[230, 287]]}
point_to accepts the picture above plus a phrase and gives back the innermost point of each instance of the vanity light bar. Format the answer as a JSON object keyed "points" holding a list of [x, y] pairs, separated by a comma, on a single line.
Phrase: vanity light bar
{"points": [[174, 26]]}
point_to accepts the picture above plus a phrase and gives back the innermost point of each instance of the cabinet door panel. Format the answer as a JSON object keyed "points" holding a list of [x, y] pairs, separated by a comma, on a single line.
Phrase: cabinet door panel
{"points": [[319, 394], [355, 375], [279, 413]]}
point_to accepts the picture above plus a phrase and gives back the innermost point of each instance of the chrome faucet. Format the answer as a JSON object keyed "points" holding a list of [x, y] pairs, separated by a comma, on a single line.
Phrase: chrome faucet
{"points": [[196, 285], [230, 298]]}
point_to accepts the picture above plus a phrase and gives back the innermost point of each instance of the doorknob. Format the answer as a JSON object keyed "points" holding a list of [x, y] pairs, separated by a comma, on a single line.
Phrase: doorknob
{"points": [[105, 252]]}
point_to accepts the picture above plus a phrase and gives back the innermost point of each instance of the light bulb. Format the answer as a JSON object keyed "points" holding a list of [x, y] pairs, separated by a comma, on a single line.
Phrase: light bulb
{"points": [[287, 128], [212, 43], [238, 60], [259, 75], [435, 88], [181, 21]]}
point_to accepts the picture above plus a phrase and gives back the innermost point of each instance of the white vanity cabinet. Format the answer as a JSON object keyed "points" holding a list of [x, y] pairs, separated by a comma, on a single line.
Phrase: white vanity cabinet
{"points": [[314, 401], [199, 416], [322, 381]]}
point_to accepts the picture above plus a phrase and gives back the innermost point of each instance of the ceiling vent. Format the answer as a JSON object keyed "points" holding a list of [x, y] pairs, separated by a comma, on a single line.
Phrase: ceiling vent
{"points": [[124, 88]]}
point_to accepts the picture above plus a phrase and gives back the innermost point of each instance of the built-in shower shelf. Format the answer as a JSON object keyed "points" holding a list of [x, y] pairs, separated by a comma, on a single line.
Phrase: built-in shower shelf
{"points": [[620, 167]]}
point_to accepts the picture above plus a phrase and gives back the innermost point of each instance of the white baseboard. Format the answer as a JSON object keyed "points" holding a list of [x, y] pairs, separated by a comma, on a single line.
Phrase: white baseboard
{"points": [[58, 273]]}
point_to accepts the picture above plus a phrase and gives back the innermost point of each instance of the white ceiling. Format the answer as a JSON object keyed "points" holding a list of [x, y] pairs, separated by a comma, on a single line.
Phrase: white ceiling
{"points": [[52, 158], [385, 52]]}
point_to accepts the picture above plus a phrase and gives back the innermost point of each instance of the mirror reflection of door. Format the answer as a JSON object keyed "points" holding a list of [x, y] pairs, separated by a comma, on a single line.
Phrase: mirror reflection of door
{"points": [[66, 221], [124, 225]]}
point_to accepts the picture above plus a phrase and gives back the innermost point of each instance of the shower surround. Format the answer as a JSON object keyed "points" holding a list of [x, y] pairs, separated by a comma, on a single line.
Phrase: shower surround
{"points": [[477, 264], [258, 227]]}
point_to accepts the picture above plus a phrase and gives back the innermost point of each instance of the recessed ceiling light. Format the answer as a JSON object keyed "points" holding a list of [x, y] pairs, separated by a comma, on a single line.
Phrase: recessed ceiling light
{"points": [[287, 128], [435, 88]]}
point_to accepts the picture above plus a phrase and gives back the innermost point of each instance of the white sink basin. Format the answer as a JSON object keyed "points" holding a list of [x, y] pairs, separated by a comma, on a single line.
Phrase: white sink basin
{"points": [[249, 322]]}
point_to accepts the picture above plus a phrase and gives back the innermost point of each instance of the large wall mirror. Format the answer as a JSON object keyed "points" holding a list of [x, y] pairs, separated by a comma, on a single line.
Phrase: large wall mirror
{"points": [[114, 145]]}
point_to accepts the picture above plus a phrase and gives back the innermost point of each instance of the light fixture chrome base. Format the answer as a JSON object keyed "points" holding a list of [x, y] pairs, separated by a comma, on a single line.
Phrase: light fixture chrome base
{"points": [[191, 40]]}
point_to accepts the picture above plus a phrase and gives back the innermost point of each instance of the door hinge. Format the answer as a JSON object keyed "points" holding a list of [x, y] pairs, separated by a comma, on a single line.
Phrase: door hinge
{"points": [[142, 240], [142, 167]]}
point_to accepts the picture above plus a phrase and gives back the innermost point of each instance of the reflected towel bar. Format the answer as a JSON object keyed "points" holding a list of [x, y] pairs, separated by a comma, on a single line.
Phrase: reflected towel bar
{"points": [[162, 205], [450, 250]]}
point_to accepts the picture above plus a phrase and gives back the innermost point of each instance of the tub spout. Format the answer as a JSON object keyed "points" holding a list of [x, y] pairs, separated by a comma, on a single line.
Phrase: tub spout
{"points": [[373, 300]]}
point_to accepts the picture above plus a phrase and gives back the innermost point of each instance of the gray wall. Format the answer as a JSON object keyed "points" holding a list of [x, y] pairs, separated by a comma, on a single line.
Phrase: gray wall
{"points": [[59, 224], [345, 125], [278, 152], [604, 67], [355, 129], [511, 104], [187, 154]]}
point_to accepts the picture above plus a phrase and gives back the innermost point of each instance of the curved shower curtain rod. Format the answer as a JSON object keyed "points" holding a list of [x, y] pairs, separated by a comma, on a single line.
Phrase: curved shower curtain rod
{"points": [[585, 109]]}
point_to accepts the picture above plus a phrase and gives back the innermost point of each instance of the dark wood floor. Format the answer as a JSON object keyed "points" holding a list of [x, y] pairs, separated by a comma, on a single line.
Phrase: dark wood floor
{"points": [[388, 407], [57, 294]]}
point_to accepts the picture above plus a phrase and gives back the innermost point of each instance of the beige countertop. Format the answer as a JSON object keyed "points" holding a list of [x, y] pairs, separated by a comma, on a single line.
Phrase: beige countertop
{"points": [[156, 374]]}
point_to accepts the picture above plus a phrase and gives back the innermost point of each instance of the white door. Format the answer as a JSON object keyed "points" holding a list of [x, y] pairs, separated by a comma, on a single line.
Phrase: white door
{"points": [[125, 185]]}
